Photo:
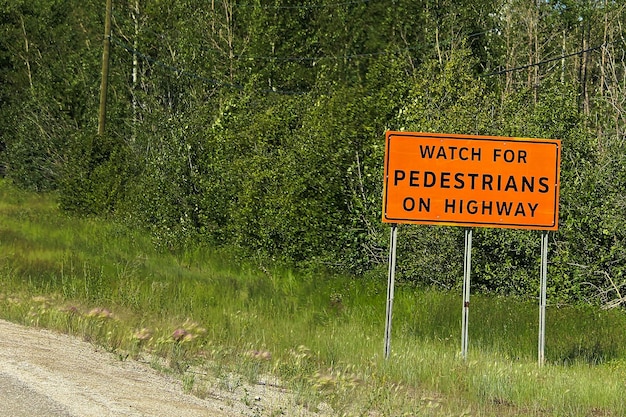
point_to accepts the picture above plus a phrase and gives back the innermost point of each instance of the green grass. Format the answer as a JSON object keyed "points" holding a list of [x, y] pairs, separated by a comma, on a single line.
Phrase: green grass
{"points": [[205, 312]]}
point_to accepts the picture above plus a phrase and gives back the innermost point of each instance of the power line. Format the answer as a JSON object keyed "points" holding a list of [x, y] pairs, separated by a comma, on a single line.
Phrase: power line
{"points": [[344, 57], [484, 32], [220, 84], [547, 61], [320, 58], [303, 6]]}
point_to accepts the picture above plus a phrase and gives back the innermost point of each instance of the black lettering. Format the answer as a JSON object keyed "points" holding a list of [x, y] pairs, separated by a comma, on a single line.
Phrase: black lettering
{"points": [[459, 183], [509, 155], [398, 176], [424, 205], [532, 208], [503, 208], [487, 207], [543, 185], [472, 207], [427, 151], [520, 210], [429, 179], [521, 157], [445, 180], [487, 180], [450, 152], [450, 204], [408, 204], [473, 177], [528, 184], [414, 179], [511, 184]]}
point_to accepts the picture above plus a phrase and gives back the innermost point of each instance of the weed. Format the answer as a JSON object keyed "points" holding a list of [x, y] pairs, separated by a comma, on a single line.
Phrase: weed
{"points": [[188, 382], [321, 336]]}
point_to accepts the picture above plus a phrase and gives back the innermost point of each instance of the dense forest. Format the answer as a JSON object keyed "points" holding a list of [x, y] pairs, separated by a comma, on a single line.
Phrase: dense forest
{"points": [[259, 124]]}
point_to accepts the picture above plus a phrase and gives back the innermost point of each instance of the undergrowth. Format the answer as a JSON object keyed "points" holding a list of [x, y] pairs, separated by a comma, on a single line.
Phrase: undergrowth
{"points": [[205, 312]]}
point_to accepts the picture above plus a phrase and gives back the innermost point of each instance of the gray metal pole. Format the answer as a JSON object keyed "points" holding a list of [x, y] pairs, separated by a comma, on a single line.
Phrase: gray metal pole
{"points": [[467, 267], [390, 285], [542, 297]]}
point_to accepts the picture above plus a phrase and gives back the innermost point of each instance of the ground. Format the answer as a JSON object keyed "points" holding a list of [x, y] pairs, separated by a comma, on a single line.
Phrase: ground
{"points": [[43, 373]]}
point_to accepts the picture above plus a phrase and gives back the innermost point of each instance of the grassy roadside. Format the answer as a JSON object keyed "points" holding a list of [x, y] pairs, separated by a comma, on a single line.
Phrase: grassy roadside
{"points": [[320, 335]]}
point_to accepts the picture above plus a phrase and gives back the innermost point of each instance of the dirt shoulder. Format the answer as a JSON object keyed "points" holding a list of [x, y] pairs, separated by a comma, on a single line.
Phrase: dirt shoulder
{"points": [[58, 375]]}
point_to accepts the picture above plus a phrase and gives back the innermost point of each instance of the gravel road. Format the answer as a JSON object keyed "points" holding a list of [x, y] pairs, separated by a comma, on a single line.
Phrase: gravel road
{"points": [[43, 373]]}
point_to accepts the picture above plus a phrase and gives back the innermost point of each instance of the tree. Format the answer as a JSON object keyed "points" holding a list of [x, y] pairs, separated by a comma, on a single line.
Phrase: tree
{"points": [[46, 98]]}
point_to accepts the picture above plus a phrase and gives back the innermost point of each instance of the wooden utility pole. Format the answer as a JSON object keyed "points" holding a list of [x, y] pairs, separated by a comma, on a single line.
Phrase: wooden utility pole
{"points": [[105, 68], [135, 16]]}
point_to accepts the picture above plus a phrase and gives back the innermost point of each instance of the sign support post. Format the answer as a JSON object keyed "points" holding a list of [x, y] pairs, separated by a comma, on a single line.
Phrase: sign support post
{"points": [[390, 285], [467, 268], [542, 297]]}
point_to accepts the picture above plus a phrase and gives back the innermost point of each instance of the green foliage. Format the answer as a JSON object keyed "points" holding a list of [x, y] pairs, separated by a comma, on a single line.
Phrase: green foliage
{"points": [[48, 72], [211, 315], [33, 147], [178, 192], [449, 97], [260, 126], [96, 174], [592, 336]]}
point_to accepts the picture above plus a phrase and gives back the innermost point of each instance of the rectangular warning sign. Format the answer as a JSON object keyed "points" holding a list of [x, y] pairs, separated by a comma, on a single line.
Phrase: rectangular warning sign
{"points": [[473, 181]]}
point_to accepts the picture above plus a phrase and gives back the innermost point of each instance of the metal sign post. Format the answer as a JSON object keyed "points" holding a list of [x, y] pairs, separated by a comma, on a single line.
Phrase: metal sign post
{"points": [[467, 268], [390, 285], [542, 296]]}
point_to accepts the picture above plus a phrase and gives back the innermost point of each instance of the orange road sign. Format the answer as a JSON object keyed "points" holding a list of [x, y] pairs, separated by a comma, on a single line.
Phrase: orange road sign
{"points": [[472, 181]]}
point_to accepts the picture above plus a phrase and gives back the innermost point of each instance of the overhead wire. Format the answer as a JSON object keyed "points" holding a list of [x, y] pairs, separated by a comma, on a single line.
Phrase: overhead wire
{"points": [[221, 84], [321, 57], [302, 6], [546, 61], [217, 83]]}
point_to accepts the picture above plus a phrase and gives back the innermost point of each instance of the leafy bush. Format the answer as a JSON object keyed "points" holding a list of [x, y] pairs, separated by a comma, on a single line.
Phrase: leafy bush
{"points": [[96, 174]]}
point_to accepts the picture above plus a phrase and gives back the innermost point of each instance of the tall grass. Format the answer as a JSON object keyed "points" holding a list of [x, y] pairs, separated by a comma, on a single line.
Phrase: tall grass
{"points": [[206, 312]]}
